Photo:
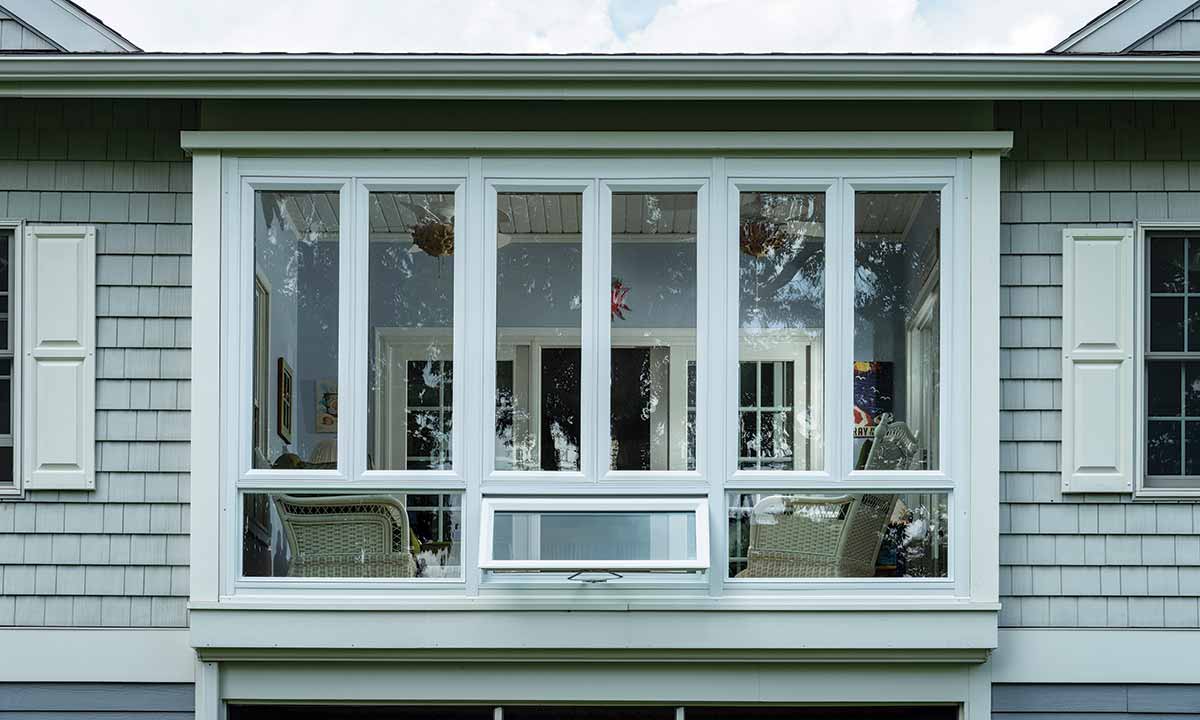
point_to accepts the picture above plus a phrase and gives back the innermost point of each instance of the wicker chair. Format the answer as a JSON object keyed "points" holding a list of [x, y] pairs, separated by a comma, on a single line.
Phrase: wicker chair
{"points": [[894, 447], [346, 536], [796, 536]]}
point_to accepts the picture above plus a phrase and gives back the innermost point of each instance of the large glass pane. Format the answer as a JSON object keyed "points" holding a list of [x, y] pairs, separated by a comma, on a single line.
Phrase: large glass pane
{"points": [[1167, 272], [539, 303], [295, 333], [653, 315], [1163, 389], [781, 310], [594, 536], [897, 309], [1164, 446], [410, 342], [393, 535], [1166, 324], [815, 535]]}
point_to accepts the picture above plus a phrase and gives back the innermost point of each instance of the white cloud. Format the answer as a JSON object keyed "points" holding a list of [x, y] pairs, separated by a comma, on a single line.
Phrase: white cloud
{"points": [[559, 26]]}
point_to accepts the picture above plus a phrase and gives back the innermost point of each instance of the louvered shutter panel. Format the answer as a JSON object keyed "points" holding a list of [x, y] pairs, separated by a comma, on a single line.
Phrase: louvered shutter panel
{"points": [[59, 365], [1098, 360]]}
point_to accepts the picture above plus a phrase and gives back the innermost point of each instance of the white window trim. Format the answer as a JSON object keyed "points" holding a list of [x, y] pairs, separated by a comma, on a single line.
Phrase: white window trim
{"points": [[15, 315], [1143, 229], [697, 506], [972, 226]]}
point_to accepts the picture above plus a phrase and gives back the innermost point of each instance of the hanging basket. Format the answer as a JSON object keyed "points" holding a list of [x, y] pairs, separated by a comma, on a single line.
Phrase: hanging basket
{"points": [[435, 238], [759, 238]]}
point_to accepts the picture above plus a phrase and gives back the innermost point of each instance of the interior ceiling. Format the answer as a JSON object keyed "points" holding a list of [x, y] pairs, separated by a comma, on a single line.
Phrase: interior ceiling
{"points": [[392, 214]]}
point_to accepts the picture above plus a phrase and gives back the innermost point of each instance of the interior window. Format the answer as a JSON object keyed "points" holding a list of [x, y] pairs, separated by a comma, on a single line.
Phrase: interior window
{"points": [[410, 313], [539, 304], [897, 238], [295, 333], [1173, 362], [781, 280]]}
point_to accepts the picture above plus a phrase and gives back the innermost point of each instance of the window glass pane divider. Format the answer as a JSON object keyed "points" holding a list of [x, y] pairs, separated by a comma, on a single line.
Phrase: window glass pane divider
{"points": [[478, 407], [601, 435], [852, 484], [841, 279], [408, 485]]}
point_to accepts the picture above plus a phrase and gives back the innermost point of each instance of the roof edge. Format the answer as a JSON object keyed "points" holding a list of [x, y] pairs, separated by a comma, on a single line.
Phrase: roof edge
{"points": [[602, 76]]}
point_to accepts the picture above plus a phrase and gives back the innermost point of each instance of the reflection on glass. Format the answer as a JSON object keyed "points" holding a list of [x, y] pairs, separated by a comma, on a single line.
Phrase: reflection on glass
{"points": [[295, 330], [815, 535], [896, 330], [594, 536], [653, 316], [781, 270], [1173, 412], [411, 330], [539, 303], [394, 535]]}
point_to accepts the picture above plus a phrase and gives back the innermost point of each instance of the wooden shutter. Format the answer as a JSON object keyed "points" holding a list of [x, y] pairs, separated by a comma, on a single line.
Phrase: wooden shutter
{"points": [[1098, 360], [59, 365]]}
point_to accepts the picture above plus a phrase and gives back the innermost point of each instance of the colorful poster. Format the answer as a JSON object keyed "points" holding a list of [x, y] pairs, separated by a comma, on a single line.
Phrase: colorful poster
{"points": [[873, 395]]}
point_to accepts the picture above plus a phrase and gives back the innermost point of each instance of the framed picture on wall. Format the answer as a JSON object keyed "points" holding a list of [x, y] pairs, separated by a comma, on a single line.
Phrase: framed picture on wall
{"points": [[284, 402], [327, 406]]}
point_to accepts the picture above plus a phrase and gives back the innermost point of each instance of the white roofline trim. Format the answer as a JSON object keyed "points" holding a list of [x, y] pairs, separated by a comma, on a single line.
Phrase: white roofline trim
{"points": [[69, 26], [602, 77], [1124, 26], [994, 141], [30, 28]]}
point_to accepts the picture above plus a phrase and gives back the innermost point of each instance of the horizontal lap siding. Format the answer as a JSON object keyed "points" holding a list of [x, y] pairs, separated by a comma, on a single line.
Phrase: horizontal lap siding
{"points": [[103, 701], [116, 556], [1095, 702], [1082, 560]]}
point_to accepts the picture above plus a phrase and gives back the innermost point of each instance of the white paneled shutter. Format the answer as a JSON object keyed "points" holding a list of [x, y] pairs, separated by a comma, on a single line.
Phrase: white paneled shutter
{"points": [[59, 351], [1099, 417]]}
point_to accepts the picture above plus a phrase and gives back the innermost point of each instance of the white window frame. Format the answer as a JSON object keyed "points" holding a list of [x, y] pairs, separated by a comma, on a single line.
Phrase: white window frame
{"points": [[696, 506], [16, 243], [1144, 229], [479, 177]]}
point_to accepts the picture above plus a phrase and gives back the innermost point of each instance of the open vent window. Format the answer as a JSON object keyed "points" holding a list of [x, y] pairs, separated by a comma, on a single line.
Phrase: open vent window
{"points": [[591, 535]]}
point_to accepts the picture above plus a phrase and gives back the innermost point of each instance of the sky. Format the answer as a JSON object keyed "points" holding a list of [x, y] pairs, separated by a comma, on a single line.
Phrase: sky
{"points": [[596, 26]]}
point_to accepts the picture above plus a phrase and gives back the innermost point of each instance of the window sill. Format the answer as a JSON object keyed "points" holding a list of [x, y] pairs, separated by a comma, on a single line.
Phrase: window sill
{"points": [[551, 601]]}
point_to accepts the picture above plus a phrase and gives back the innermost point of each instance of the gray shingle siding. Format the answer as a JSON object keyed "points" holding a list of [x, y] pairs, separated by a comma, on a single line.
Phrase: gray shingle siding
{"points": [[116, 556], [64, 701], [1082, 560], [1110, 702]]}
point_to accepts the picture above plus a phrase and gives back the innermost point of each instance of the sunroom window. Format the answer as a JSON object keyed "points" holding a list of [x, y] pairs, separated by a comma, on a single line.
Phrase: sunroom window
{"points": [[497, 376]]}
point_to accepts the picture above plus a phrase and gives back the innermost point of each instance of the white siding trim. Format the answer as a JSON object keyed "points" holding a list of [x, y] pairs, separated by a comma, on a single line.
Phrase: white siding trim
{"points": [[97, 655], [1098, 360], [836, 142], [206, 376], [982, 412], [59, 358]]}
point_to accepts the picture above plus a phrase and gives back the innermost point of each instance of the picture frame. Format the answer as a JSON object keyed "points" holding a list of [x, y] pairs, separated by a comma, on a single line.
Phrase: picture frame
{"points": [[327, 406], [285, 401]]}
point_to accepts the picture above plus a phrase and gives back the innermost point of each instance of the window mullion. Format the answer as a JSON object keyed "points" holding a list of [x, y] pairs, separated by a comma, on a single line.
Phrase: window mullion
{"points": [[600, 382], [356, 356], [840, 321]]}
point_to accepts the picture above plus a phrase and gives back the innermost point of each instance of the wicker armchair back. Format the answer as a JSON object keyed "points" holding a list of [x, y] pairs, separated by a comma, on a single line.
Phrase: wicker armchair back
{"points": [[346, 536]]}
